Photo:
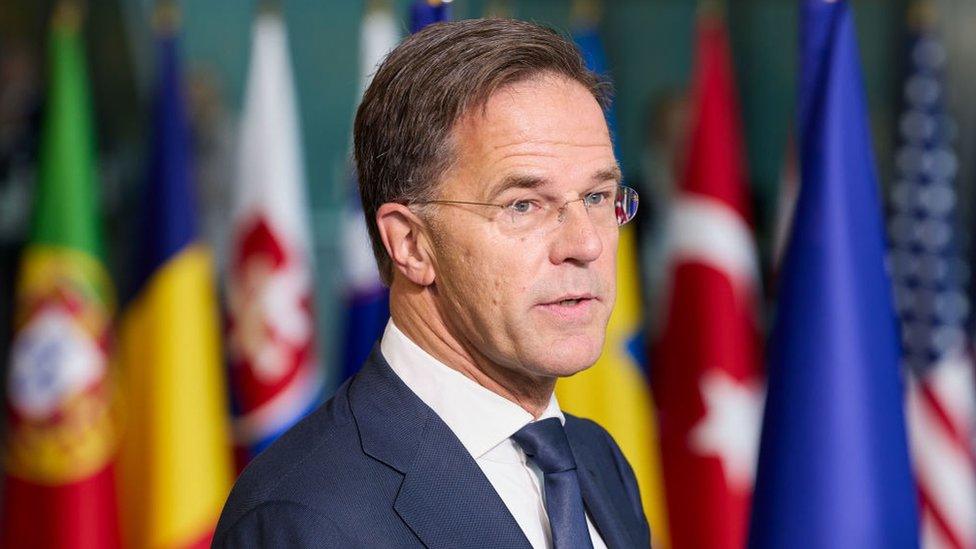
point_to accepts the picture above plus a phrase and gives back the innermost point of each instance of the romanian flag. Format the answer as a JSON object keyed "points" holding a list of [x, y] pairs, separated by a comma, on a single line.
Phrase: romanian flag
{"points": [[176, 460], [59, 487], [615, 391]]}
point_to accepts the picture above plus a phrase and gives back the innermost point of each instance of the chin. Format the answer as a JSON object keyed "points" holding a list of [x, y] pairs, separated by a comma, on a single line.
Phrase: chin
{"points": [[570, 355]]}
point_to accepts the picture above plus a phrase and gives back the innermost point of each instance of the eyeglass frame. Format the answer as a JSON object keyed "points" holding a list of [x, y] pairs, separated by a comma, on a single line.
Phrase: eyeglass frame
{"points": [[561, 209]]}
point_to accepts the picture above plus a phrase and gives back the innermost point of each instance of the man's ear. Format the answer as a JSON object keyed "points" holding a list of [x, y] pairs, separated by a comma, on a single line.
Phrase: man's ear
{"points": [[405, 242]]}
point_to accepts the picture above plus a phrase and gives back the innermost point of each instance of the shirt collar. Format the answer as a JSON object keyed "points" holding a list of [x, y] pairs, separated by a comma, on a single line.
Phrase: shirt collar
{"points": [[480, 418]]}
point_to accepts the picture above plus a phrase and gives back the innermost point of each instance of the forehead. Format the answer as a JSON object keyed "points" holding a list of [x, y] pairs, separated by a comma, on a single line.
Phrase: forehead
{"points": [[546, 123], [545, 106]]}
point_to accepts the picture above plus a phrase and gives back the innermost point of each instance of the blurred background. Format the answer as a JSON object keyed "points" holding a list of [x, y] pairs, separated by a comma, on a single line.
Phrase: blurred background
{"points": [[271, 133]]}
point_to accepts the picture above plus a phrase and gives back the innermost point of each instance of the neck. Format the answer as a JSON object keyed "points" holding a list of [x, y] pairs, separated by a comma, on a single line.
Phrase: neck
{"points": [[415, 312]]}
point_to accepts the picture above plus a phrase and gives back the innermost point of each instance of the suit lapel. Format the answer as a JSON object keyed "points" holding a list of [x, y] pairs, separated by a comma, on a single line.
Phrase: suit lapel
{"points": [[445, 498]]}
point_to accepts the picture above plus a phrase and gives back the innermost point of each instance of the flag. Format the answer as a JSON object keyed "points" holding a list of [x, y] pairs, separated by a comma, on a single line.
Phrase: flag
{"points": [[275, 376], [789, 188], [425, 12], [176, 461], [706, 376], [615, 391], [833, 463], [378, 35], [366, 298], [929, 278], [62, 429]]}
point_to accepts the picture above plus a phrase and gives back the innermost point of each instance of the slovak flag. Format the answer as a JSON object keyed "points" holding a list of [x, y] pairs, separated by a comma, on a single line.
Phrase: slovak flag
{"points": [[274, 372]]}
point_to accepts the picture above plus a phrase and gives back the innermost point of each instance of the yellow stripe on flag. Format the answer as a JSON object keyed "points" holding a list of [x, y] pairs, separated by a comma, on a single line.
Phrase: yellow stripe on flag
{"points": [[176, 462], [615, 393]]}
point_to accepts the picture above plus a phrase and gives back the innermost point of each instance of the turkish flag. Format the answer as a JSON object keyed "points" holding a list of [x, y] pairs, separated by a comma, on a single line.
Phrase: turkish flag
{"points": [[706, 372]]}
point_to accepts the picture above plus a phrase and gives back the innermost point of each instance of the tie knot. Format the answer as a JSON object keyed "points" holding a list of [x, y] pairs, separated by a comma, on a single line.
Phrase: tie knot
{"points": [[546, 445]]}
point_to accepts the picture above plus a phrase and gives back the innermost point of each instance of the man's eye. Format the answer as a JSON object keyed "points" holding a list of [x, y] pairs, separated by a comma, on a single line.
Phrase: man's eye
{"points": [[597, 199], [523, 206]]}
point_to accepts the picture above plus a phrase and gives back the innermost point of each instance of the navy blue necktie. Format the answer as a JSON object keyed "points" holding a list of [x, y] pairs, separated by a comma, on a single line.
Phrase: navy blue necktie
{"points": [[546, 445]]}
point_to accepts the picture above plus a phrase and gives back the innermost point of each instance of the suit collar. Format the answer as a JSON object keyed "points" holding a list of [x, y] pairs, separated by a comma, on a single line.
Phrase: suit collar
{"points": [[390, 418], [479, 417], [444, 498]]}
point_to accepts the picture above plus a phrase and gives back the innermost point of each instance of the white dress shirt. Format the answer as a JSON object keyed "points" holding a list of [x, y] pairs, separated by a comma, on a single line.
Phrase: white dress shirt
{"points": [[483, 421]]}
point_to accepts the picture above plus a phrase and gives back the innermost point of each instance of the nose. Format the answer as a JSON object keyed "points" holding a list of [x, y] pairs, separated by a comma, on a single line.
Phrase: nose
{"points": [[577, 238]]}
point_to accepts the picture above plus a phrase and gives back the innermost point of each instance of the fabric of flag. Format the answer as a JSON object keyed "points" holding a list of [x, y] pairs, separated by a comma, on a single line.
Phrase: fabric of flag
{"points": [[615, 392], [59, 488], [834, 468], [274, 373], [706, 374], [425, 12], [379, 33], [929, 276], [176, 461], [789, 189], [366, 298]]}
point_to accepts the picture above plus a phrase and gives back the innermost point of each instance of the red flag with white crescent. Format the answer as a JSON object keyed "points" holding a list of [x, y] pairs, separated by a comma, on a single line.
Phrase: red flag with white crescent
{"points": [[706, 376]]}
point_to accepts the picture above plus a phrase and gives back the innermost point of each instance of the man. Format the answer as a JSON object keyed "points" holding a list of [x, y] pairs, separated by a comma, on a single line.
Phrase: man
{"points": [[493, 202]]}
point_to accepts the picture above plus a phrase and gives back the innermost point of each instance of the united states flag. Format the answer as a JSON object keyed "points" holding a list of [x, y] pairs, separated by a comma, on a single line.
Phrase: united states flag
{"points": [[929, 276]]}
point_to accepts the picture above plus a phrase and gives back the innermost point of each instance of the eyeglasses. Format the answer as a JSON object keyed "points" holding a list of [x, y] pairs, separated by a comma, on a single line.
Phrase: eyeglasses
{"points": [[610, 208]]}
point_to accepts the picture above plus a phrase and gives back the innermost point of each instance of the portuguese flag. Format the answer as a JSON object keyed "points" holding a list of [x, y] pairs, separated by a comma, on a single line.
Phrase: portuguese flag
{"points": [[59, 488]]}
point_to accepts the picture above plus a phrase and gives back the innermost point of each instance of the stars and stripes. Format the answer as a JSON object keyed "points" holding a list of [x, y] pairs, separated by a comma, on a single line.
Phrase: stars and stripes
{"points": [[928, 275]]}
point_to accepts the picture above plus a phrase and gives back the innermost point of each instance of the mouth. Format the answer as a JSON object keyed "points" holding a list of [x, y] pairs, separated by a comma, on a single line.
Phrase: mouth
{"points": [[570, 308]]}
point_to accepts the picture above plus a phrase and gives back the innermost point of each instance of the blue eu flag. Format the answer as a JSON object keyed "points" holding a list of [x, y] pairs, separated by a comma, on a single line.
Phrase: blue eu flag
{"points": [[833, 466], [426, 12]]}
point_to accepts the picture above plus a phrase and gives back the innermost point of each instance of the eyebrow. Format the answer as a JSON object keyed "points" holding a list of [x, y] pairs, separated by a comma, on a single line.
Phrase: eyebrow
{"points": [[522, 181], [517, 181], [608, 174]]}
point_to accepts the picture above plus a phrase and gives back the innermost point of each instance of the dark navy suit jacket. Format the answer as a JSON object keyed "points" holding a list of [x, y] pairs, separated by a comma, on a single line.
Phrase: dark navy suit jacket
{"points": [[376, 467]]}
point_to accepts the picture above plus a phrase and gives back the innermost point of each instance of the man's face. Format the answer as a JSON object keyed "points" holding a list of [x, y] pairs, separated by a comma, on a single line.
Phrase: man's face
{"points": [[535, 302]]}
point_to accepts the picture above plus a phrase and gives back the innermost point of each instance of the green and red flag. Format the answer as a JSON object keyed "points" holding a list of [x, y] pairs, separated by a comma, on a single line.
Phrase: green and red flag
{"points": [[62, 436]]}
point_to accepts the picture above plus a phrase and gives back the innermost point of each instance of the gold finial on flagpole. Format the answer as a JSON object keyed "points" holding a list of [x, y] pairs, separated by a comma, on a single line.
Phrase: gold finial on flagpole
{"points": [[711, 8], [166, 17], [500, 9], [586, 12], [67, 15], [377, 5], [922, 15], [268, 6]]}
